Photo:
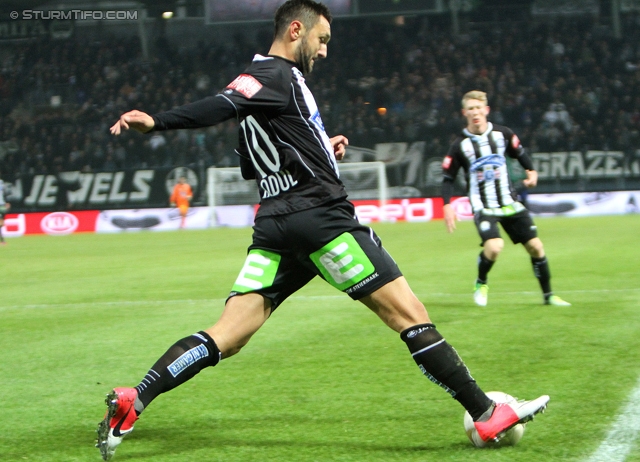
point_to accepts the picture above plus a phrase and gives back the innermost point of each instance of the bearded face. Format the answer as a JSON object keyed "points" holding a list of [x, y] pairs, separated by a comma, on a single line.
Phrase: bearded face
{"points": [[312, 45], [305, 57]]}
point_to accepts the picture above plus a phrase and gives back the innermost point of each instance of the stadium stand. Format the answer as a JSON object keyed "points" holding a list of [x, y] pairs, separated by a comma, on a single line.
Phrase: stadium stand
{"points": [[562, 85]]}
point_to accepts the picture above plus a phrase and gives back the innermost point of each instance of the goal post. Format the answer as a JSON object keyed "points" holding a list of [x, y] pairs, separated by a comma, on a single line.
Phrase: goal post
{"points": [[225, 186], [365, 180]]}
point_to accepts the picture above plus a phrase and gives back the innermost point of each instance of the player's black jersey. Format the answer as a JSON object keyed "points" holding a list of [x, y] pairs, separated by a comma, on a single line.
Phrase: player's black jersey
{"points": [[483, 158], [283, 144]]}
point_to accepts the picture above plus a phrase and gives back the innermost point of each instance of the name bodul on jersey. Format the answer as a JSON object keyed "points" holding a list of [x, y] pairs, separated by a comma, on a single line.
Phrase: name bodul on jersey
{"points": [[266, 160], [278, 182], [274, 177]]}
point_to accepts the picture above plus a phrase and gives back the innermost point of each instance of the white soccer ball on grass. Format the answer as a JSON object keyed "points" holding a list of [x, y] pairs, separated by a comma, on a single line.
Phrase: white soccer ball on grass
{"points": [[512, 436]]}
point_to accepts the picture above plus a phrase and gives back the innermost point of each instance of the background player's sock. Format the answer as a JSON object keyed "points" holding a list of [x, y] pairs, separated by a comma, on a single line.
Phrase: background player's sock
{"points": [[484, 266], [441, 364], [181, 362], [541, 270]]}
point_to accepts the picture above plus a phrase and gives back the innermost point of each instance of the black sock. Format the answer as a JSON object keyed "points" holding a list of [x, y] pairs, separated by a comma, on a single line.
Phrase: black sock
{"points": [[541, 270], [484, 266], [441, 364], [181, 362]]}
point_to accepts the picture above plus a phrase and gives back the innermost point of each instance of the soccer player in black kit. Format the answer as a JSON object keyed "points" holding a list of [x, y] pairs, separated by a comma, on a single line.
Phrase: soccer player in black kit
{"points": [[481, 152], [305, 227]]}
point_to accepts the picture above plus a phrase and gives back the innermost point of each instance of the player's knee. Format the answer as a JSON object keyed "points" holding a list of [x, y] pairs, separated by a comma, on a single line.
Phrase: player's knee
{"points": [[408, 314], [535, 248], [492, 248]]}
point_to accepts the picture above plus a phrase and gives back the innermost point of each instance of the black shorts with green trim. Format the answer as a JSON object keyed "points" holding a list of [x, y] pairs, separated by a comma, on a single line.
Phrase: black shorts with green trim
{"points": [[327, 241], [519, 227]]}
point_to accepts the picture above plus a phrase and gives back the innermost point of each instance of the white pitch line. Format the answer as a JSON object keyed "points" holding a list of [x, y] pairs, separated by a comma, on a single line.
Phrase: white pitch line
{"points": [[623, 433], [336, 296]]}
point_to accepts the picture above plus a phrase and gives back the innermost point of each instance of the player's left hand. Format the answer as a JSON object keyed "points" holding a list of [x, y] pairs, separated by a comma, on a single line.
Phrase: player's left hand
{"points": [[531, 180], [339, 144], [7, 206]]}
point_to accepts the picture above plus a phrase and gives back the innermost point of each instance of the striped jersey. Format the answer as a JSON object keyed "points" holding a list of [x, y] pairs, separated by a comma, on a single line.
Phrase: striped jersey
{"points": [[282, 144], [483, 159]]}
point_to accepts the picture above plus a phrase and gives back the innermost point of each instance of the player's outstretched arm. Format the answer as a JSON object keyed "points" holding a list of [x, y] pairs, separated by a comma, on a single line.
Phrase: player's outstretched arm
{"points": [[450, 217], [136, 120], [339, 144]]}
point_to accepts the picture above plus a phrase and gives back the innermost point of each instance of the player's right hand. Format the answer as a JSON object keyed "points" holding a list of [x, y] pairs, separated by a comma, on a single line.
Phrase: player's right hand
{"points": [[450, 217], [136, 120]]}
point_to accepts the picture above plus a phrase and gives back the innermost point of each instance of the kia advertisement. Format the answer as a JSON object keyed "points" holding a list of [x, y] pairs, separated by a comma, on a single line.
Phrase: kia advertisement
{"points": [[54, 223]]}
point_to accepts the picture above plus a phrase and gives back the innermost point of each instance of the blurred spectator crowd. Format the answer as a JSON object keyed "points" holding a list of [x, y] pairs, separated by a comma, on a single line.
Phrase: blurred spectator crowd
{"points": [[567, 85]]}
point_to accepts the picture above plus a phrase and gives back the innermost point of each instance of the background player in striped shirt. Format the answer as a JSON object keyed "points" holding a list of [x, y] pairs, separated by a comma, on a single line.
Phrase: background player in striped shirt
{"points": [[481, 151]]}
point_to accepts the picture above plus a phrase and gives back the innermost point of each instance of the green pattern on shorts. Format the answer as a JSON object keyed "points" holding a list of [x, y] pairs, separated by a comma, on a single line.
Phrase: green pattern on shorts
{"points": [[259, 271], [342, 262]]}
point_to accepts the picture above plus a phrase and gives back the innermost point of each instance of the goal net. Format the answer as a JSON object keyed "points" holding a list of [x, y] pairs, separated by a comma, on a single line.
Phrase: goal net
{"points": [[226, 187]]}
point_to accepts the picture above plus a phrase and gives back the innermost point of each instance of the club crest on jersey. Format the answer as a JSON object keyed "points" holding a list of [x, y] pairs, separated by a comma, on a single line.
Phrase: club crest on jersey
{"points": [[246, 84]]}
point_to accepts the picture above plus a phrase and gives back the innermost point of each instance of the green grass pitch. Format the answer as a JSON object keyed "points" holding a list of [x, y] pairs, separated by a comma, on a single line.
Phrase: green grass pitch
{"points": [[324, 380]]}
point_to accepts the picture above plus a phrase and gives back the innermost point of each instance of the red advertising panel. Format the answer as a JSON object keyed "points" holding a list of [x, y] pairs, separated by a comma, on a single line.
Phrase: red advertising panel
{"points": [[54, 223], [412, 209]]}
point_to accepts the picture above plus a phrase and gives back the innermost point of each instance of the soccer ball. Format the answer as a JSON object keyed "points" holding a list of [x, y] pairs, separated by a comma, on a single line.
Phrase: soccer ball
{"points": [[512, 436]]}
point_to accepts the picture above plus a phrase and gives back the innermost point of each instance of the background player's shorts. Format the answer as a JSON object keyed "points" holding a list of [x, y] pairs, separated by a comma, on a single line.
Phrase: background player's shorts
{"points": [[519, 227], [327, 241], [184, 208]]}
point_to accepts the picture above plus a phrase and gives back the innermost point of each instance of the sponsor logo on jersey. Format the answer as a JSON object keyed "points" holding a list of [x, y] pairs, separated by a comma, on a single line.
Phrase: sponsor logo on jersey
{"points": [[246, 84], [488, 174], [493, 160]]}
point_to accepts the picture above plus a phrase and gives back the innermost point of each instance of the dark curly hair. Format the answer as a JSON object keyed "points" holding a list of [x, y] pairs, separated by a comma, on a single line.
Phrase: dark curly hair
{"points": [[307, 11]]}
